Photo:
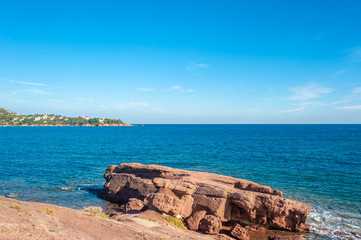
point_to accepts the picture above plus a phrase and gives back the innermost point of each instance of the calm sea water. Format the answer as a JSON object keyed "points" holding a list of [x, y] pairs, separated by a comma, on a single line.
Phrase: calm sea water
{"points": [[317, 164]]}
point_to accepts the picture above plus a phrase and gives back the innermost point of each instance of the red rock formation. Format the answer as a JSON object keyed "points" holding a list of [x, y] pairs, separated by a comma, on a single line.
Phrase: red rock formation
{"points": [[182, 193]]}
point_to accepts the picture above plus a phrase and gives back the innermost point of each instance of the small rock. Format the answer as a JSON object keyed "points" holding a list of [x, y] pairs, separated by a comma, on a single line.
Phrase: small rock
{"points": [[194, 220], [134, 204], [210, 224], [239, 232]]}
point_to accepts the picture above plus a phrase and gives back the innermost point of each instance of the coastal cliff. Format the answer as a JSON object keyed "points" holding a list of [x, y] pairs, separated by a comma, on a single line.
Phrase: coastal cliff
{"points": [[204, 201]]}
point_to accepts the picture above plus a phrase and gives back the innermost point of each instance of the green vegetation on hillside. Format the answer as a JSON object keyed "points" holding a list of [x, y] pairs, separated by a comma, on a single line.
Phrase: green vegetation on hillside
{"points": [[9, 118]]}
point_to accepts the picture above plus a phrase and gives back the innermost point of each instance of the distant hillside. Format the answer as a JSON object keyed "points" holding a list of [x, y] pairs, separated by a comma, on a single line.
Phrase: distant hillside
{"points": [[9, 118]]}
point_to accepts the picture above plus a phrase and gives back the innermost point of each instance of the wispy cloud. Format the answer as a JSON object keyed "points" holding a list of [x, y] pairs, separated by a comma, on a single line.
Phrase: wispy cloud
{"points": [[335, 102], [354, 107], [176, 87], [22, 82], [145, 89], [195, 66], [291, 110], [338, 73], [309, 91], [181, 89], [356, 90], [28, 83], [32, 91], [158, 109], [354, 54]]}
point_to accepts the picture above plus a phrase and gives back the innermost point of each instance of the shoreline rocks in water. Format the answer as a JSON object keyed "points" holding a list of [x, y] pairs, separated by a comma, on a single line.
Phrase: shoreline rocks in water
{"points": [[204, 201]]}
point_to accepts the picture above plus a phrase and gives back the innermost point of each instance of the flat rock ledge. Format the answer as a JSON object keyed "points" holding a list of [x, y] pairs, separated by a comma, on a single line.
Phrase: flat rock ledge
{"points": [[203, 201]]}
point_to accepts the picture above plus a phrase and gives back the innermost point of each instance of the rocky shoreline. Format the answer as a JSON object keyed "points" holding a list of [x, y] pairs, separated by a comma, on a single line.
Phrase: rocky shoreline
{"points": [[156, 202], [20, 220], [205, 202]]}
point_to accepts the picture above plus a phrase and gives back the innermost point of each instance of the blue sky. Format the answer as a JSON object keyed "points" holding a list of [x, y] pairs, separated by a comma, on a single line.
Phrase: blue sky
{"points": [[183, 61]]}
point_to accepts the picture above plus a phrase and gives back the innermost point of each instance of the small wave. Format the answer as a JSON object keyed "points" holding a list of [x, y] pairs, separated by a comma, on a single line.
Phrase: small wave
{"points": [[334, 225], [12, 195], [67, 188]]}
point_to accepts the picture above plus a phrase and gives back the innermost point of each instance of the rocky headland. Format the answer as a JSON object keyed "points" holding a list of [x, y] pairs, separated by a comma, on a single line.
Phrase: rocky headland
{"points": [[205, 202]]}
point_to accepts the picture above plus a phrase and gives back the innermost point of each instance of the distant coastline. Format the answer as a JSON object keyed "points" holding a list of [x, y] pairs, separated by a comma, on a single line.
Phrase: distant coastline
{"points": [[87, 125], [12, 119]]}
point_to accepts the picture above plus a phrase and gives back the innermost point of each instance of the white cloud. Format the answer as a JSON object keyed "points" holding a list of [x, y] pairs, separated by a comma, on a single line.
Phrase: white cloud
{"points": [[145, 89], [335, 102], [22, 82], [305, 104], [357, 90], [195, 66], [32, 91], [28, 83], [309, 91], [157, 109], [354, 107], [291, 110], [181, 89]]}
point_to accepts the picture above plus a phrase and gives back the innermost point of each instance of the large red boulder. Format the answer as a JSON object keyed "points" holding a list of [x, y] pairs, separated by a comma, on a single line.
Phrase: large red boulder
{"points": [[183, 193]]}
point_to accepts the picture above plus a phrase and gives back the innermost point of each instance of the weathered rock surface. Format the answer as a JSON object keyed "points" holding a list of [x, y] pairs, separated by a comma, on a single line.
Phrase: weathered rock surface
{"points": [[183, 193], [31, 221], [210, 224], [239, 232], [194, 220], [224, 237], [134, 204]]}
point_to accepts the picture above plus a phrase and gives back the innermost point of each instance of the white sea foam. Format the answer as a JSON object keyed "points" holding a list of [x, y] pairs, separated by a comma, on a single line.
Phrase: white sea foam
{"points": [[13, 195], [67, 188], [334, 225]]}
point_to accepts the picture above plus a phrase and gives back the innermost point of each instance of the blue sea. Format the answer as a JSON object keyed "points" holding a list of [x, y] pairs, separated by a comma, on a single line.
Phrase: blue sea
{"points": [[319, 165]]}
